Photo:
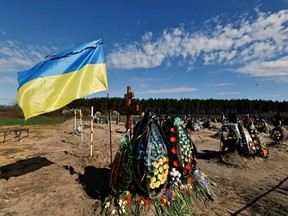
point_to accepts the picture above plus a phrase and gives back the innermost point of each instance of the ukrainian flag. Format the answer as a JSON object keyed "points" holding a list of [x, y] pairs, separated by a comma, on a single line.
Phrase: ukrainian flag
{"points": [[62, 78]]}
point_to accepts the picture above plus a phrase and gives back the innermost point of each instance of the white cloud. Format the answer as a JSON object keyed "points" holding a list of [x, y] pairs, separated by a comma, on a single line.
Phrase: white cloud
{"points": [[169, 90], [248, 41], [16, 56], [269, 69]]}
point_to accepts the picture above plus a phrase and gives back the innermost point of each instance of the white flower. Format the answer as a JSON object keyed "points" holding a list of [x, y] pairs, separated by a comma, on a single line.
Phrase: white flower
{"points": [[107, 205], [113, 212], [120, 203]]}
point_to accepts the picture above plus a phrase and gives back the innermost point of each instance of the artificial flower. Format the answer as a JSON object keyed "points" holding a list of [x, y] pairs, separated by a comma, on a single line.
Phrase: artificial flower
{"points": [[174, 150], [128, 201], [172, 139], [146, 202], [176, 163]]}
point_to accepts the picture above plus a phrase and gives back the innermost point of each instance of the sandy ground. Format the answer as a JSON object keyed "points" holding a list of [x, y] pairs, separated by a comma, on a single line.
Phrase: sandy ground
{"points": [[51, 173]]}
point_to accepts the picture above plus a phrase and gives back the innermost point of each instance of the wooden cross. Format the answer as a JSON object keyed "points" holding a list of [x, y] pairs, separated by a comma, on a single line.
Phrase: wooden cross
{"points": [[130, 108]]}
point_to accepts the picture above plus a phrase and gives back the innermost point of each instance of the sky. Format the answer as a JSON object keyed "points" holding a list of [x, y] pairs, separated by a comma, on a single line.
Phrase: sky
{"points": [[225, 49]]}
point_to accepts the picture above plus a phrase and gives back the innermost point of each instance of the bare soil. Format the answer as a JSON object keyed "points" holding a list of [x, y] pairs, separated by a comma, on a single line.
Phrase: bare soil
{"points": [[51, 172]]}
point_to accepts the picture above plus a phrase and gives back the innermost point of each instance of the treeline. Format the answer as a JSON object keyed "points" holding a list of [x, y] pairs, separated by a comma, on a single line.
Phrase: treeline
{"points": [[185, 106]]}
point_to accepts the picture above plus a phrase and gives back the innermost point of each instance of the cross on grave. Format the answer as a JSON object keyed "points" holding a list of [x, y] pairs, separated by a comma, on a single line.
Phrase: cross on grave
{"points": [[130, 108]]}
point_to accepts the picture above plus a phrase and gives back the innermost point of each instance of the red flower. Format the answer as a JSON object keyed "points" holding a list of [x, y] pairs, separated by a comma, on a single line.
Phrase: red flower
{"points": [[163, 201], [172, 130], [128, 201], [184, 172], [174, 150], [176, 163], [188, 192], [139, 198], [146, 202], [172, 139], [188, 167]]}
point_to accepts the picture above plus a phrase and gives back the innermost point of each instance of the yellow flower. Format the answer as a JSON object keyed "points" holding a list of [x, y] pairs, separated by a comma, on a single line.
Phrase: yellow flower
{"points": [[159, 176], [166, 166], [127, 193], [156, 172], [153, 179], [166, 172], [160, 161], [152, 185], [163, 180], [160, 169], [157, 184], [156, 165], [164, 176], [165, 159]]}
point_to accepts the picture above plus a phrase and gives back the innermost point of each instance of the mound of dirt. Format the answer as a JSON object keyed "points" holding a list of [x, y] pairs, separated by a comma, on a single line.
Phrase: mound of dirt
{"points": [[53, 173]]}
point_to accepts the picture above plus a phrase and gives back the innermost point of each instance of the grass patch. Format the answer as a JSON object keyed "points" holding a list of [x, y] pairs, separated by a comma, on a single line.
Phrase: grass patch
{"points": [[33, 121]]}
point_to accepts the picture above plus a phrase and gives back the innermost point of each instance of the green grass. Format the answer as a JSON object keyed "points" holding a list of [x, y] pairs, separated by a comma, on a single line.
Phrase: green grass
{"points": [[33, 121]]}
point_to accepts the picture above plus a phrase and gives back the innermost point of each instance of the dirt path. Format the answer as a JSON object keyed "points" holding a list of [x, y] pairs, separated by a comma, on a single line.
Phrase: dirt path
{"points": [[51, 173]]}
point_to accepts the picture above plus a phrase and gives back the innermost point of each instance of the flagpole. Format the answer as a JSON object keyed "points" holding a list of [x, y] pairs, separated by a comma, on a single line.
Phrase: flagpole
{"points": [[110, 132]]}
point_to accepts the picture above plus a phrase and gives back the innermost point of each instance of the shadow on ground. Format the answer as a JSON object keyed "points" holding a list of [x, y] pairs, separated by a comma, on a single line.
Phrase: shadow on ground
{"points": [[95, 182], [23, 167]]}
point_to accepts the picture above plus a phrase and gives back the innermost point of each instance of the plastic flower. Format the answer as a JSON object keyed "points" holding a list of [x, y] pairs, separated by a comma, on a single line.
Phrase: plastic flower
{"points": [[157, 184], [146, 202], [156, 165], [176, 163], [128, 201], [172, 130], [172, 139], [188, 167], [163, 201], [190, 180], [174, 150], [107, 205], [161, 169]]}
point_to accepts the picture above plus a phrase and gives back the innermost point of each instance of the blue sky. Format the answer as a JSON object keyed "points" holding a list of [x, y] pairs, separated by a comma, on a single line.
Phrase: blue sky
{"points": [[226, 49]]}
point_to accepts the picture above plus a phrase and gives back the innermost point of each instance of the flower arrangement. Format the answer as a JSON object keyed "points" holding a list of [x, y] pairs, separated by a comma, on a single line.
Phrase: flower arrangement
{"points": [[164, 179], [151, 163], [180, 150], [278, 134]]}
